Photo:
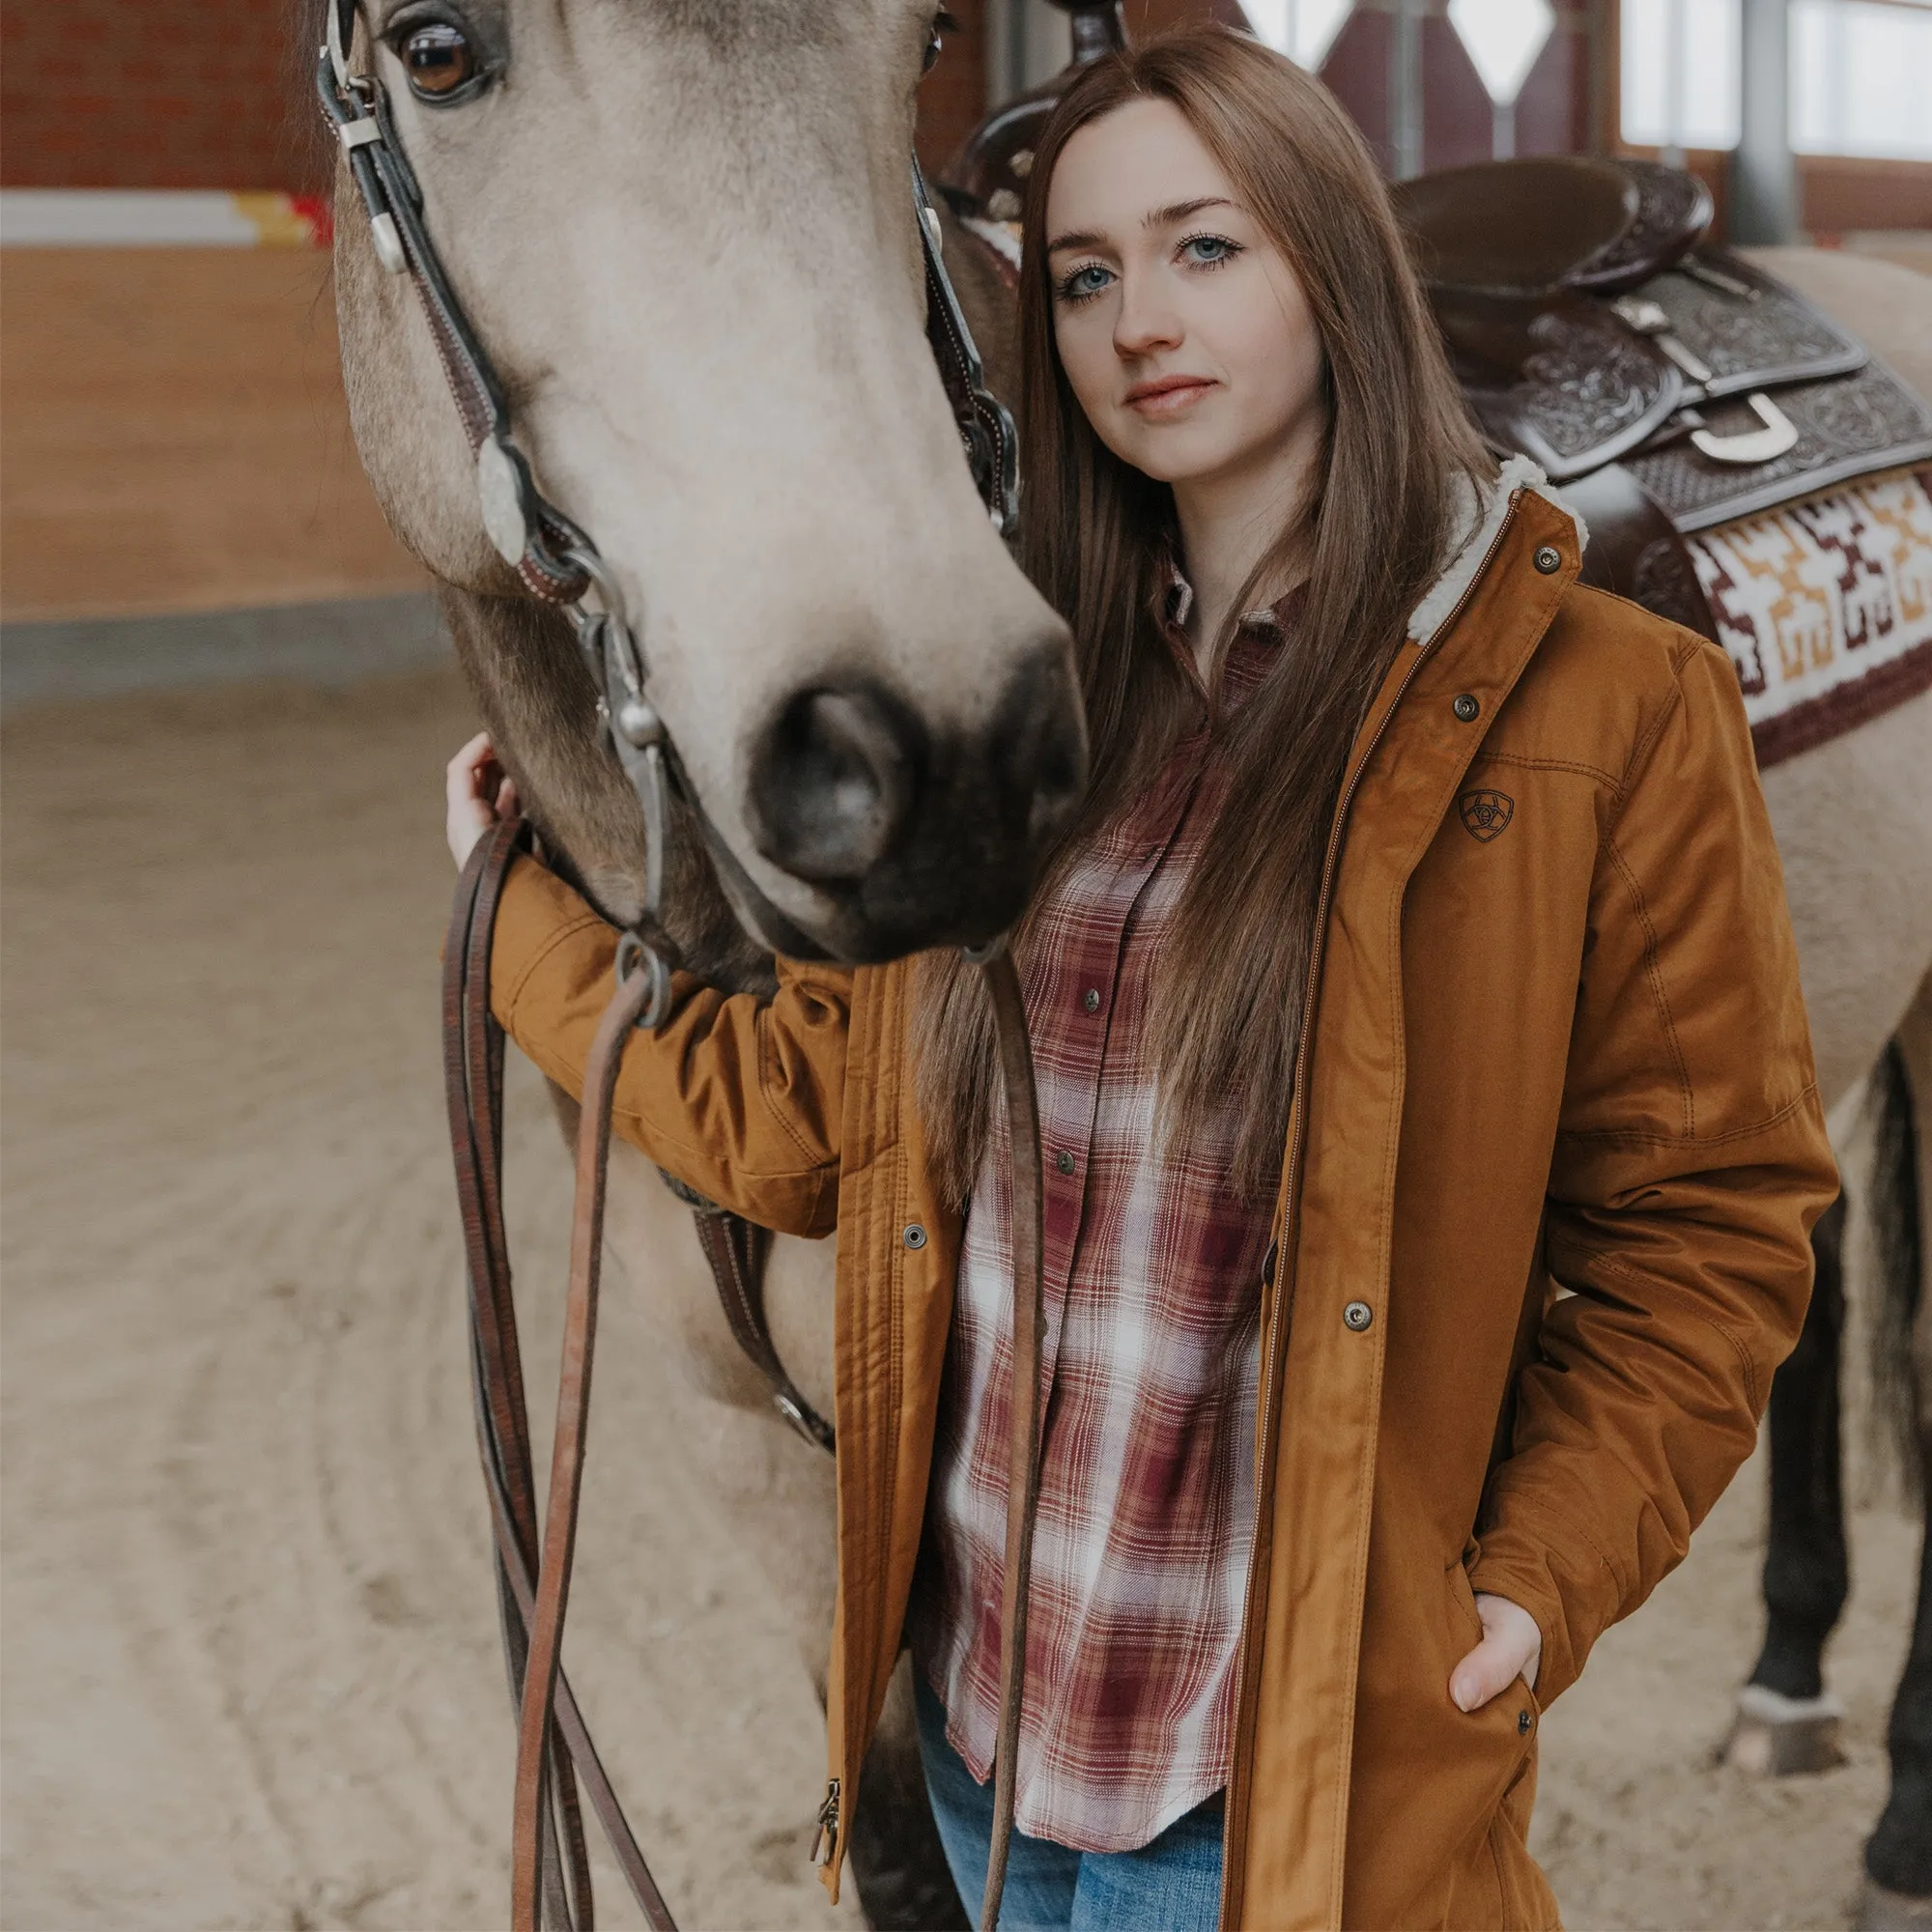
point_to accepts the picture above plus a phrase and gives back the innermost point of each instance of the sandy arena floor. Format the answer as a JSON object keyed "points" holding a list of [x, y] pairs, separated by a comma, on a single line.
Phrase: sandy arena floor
{"points": [[250, 1672]]}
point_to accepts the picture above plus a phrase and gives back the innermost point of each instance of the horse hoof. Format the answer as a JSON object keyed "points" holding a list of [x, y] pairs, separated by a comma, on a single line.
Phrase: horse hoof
{"points": [[1882, 1910], [1773, 1736]]}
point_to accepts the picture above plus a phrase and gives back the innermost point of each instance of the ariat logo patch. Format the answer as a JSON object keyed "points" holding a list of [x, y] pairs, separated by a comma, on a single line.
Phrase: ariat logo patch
{"points": [[1486, 813]]}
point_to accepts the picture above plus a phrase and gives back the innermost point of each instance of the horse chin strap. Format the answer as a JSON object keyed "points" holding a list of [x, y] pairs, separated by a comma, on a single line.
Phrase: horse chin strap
{"points": [[558, 562]]}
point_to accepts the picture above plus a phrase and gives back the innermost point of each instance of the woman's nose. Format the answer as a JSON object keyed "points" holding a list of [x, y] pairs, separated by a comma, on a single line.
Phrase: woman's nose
{"points": [[1145, 321]]}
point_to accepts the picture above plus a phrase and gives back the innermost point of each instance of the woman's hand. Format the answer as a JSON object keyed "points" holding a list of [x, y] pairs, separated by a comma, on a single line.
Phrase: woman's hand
{"points": [[1512, 1647], [478, 793]]}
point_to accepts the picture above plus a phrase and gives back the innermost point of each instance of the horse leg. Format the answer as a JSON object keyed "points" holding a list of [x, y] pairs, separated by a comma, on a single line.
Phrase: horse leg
{"points": [[1898, 1853], [1898, 1856], [1785, 1723]]}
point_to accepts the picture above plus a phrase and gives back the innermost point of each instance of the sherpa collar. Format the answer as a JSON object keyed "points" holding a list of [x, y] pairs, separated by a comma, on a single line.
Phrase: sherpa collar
{"points": [[1477, 514]]}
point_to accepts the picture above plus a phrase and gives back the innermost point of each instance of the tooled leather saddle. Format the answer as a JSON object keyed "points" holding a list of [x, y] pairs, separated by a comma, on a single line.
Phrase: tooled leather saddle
{"points": [[1667, 384]]}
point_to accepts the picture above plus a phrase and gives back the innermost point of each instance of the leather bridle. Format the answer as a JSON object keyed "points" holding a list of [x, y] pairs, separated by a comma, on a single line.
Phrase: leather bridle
{"points": [[555, 560], [558, 562]]}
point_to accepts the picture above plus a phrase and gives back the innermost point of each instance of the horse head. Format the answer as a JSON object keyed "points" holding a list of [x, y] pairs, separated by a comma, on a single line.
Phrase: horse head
{"points": [[683, 234]]}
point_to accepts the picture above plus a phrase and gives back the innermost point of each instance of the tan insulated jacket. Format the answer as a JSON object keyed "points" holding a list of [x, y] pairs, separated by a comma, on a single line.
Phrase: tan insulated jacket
{"points": [[1556, 1133]]}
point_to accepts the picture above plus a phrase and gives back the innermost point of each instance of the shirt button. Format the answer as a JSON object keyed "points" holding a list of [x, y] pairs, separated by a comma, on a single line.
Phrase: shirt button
{"points": [[1466, 708], [1357, 1316], [1090, 999], [1548, 559], [1063, 1161], [915, 1237]]}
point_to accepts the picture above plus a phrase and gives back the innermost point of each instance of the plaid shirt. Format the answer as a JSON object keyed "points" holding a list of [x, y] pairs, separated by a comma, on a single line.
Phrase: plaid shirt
{"points": [[1150, 1363]]}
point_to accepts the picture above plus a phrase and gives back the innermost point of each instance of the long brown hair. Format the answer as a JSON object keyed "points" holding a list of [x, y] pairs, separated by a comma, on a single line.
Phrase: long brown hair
{"points": [[1227, 991]]}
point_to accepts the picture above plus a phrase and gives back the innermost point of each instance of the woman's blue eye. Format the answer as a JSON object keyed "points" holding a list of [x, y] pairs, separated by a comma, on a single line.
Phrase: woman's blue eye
{"points": [[1209, 250], [1084, 282]]}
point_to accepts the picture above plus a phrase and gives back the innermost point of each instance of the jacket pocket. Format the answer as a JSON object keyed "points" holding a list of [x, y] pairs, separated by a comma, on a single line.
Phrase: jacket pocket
{"points": [[1464, 1593], [1506, 1887], [1507, 1725], [1428, 1780]]}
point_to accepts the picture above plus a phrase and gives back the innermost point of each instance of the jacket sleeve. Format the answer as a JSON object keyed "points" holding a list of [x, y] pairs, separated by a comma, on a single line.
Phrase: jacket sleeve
{"points": [[1689, 1164], [737, 1096]]}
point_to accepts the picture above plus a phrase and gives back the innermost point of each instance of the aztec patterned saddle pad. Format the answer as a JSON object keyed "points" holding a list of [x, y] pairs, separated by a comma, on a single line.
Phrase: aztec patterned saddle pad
{"points": [[1824, 607]]}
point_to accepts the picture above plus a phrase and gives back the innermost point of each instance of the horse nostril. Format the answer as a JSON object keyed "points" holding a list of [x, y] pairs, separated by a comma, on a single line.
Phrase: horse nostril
{"points": [[833, 782]]}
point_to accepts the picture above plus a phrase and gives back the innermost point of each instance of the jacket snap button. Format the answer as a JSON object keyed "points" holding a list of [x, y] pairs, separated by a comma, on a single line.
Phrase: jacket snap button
{"points": [[1063, 1161], [1466, 708], [1358, 1315], [1090, 999], [1548, 559], [1522, 1723], [915, 1237]]}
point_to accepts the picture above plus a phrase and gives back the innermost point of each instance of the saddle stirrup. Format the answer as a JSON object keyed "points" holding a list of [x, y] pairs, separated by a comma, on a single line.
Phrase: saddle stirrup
{"points": [[1779, 435]]}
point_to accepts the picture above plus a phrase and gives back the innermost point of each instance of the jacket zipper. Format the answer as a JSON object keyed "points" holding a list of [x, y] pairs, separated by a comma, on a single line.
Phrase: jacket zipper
{"points": [[1235, 1835], [825, 1840]]}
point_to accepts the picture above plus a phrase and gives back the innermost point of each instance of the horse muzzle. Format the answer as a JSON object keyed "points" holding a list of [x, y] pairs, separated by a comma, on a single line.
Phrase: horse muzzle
{"points": [[908, 838]]}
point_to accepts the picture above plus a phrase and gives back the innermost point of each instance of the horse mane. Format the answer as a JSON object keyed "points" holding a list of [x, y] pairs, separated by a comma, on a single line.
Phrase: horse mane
{"points": [[304, 139]]}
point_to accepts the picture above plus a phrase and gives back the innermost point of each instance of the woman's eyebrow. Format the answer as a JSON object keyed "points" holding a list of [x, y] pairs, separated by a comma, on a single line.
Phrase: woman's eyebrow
{"points": [[1155, 218], [1179, 210]]}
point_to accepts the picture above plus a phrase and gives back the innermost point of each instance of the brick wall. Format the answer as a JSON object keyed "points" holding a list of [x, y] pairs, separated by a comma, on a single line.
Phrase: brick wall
{"points": [[953, 96], [211, 94], [151, 94]]}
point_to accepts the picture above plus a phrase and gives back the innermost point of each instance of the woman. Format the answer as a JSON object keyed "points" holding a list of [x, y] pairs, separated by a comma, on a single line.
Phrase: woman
{"points": [[1430, 1135]]}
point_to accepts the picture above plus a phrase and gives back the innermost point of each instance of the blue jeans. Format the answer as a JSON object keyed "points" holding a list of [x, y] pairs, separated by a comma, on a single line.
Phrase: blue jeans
{"points": [[1171, 1885]]}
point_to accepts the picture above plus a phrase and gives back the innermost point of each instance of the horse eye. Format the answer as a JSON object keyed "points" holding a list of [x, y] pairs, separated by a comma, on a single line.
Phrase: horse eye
{"points": [[440, 60], [943, 24]]}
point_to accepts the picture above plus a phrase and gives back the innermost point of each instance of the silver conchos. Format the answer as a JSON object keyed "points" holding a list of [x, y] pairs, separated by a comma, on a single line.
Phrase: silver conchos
{"points": [[499, 489]]}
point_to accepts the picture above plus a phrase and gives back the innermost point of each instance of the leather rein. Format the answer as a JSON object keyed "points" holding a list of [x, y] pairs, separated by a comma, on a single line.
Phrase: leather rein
{"points": [[557, 564]]}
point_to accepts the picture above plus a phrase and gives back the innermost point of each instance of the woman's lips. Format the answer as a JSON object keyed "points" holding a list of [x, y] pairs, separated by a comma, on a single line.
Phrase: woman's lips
{"points": [[1167, 396]]}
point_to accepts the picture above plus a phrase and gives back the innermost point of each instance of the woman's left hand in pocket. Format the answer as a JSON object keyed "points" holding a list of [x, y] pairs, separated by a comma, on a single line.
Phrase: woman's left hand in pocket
{"points": [[1512, 1647]]}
